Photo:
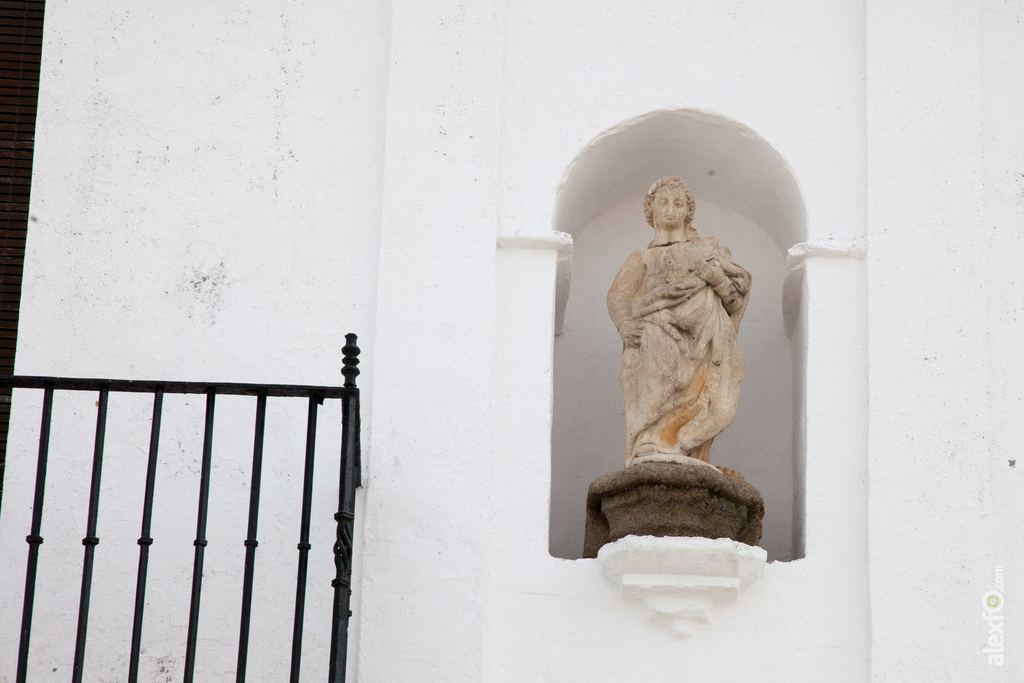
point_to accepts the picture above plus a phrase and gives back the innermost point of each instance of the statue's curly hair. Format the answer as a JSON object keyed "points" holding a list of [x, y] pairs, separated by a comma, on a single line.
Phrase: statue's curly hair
{"points": [[691, 204]]}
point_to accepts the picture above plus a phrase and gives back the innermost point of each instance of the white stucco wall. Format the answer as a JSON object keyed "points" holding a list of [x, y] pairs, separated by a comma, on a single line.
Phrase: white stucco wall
{"points": [[222, 191], [945, 224], [205, 202]]}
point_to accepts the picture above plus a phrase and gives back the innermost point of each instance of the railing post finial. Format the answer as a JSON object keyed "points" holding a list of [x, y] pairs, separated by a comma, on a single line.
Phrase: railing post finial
{"points": [[351, 359]]}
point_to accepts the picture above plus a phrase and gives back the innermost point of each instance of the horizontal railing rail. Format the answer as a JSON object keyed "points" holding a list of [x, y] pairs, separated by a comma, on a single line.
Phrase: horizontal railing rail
{"points": [[344, 518], [169, 387]]}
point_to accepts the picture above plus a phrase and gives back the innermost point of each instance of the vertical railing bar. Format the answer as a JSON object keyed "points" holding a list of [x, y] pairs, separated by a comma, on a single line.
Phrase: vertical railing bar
{"points": [[144, 539], [345, 517], [200, 542], [303, 546], [250, 541], [34, 540], [90, 541]]}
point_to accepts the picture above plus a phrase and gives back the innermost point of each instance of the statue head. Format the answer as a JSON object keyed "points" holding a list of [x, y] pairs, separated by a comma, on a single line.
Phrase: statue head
{"points": [[671, 182]]}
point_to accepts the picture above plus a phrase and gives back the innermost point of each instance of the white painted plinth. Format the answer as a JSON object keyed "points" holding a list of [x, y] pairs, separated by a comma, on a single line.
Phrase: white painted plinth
{"points": [[679, 579]]}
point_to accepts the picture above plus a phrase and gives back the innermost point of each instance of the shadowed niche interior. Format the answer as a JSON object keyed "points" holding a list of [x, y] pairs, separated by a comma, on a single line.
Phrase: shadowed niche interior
{"points": [[748, 198]]}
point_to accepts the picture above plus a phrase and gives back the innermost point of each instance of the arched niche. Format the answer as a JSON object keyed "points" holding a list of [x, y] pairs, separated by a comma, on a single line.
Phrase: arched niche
{"points": [[748, 198]]}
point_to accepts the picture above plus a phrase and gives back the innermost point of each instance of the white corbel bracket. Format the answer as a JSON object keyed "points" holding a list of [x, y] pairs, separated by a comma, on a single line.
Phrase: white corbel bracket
{"points": [[681, 579]]}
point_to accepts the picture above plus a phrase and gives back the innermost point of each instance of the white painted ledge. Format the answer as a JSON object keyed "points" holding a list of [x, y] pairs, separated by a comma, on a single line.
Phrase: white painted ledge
{"points": [[553, 239], [799, 253], [548, 240], [680, 579]]}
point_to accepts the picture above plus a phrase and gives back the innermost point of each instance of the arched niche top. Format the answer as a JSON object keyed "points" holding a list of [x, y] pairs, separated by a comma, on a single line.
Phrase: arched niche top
{"points": [[722, 161]]}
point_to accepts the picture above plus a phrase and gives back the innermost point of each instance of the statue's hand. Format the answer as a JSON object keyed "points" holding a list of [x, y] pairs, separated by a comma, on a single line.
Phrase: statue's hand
{"points": [[687, 287], [710, 270], [631, 331], [673, 290]]}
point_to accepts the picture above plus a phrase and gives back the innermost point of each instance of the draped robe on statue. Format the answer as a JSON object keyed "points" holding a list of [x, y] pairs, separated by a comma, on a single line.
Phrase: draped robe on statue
{"points": [[682, 384]]}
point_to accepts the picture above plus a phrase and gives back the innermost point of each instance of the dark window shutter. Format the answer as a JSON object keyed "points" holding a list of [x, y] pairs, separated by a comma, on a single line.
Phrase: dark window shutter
{"points": [[21, 42]]}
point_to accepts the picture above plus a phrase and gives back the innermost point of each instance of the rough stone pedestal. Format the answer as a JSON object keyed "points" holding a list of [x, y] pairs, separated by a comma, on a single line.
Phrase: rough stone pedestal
{"points": [[671, 499]]}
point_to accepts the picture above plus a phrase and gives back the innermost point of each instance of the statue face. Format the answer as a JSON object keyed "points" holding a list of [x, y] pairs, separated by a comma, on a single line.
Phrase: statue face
{"points": [[669, 207]]}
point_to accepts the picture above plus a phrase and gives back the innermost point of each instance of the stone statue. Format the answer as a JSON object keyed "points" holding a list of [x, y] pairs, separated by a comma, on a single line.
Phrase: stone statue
{"points": [[677, 305]]}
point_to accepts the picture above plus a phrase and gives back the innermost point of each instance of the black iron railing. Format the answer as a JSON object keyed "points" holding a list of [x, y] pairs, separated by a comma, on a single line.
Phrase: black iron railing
{"points": [[342, 583]]}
